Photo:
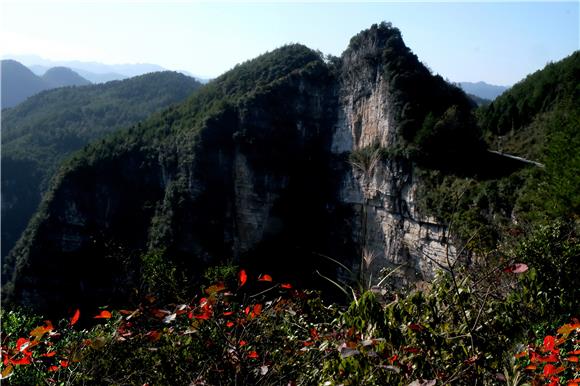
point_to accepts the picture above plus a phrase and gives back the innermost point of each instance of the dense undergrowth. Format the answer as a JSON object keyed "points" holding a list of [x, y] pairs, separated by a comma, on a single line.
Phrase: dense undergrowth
{"points": [[512, 322]]}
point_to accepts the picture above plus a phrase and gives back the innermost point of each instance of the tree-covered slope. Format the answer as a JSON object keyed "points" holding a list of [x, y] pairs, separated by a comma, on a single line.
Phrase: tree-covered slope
{"points": [[538, 119], [40, 132], [512, 121]]}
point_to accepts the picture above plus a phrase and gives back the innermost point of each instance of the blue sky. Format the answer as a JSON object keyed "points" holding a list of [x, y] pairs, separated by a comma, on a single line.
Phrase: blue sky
{"points": [[496, 42]]}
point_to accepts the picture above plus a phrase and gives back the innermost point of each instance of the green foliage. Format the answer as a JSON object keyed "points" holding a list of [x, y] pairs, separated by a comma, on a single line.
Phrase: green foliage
{"points": [[537, 93], [455, 132], [162, 278], [225, 273], [560, 192], [552, 288], [463, 328]]}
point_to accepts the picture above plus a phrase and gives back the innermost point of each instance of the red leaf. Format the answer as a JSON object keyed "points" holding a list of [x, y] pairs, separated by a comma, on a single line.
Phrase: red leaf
{"points": [[22, 344], [53, 368], [286, 285], [307, 343], [265, 278], [64, 363], [103, 315], [230, 324], [247, 310], [38, 332], [572, 359], [257, 309], [49, 354], [22, 361], [550, 369], [204, 316], [75, 317], [242, 277], [153, 335], [416, 327], [393, 358], [228, 313], [516, 268], [314, 333], [253, 355], [549, 342], [243, 343]]}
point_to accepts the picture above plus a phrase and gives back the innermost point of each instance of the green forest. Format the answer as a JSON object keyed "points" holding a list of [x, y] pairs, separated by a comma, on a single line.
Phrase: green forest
{"points": [[180, 309]]}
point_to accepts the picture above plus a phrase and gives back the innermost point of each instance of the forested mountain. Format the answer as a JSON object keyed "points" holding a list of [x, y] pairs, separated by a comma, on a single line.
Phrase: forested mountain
{"points": [[482, 89], [42, 131], [62, 77], [254, 165], [19, 82]]}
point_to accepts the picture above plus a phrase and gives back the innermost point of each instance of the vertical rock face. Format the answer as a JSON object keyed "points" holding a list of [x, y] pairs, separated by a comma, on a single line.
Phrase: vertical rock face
{"points": [[387, 227]]}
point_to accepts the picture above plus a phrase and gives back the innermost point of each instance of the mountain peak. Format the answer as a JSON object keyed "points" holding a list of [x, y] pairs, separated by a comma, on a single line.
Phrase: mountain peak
{"points": [[64, 76]]}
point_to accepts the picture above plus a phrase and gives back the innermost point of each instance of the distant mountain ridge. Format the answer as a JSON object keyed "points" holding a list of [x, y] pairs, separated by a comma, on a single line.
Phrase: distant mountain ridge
{"points": [[19, 82], [91, 76], [97, 72], [63, 76], [483, 90]]}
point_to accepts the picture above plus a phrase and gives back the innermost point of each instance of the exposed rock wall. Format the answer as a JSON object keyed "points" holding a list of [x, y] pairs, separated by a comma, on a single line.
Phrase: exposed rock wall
{"points": [[387, 226]]}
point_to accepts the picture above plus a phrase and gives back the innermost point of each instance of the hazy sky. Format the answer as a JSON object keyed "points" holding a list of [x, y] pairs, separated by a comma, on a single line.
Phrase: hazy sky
{"points": [[463, 41]]}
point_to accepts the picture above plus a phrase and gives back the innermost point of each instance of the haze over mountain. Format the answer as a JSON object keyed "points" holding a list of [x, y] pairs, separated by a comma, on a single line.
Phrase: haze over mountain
{"points": [[40, 132], [94, 71], [127, 70], [91, 76], [19, 82], [483, 90]]}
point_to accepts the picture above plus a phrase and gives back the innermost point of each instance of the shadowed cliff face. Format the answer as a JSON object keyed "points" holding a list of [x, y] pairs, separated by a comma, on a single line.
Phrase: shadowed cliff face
{"points": [[381, 192], [264, 180]]}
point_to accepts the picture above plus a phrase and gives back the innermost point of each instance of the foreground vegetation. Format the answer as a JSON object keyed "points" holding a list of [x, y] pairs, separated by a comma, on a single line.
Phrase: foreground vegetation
{"points": [[511, 323]]}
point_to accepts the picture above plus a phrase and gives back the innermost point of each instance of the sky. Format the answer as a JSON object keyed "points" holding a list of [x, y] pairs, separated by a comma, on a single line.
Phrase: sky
{"points": [[496, 42]]}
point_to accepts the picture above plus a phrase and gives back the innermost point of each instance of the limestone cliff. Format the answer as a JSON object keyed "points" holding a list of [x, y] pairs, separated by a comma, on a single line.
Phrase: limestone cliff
{"points": [[382, 192]]}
